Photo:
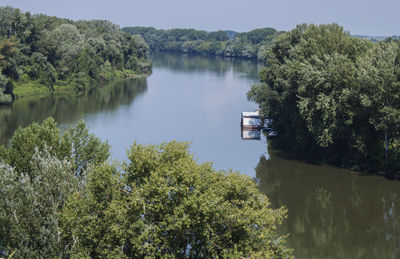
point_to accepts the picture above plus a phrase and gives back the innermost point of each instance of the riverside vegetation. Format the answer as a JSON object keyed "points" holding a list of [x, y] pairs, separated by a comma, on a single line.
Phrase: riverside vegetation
{"points": [[40, 54], [332, 95], [60, 196], [335, 97], [251, 45]]}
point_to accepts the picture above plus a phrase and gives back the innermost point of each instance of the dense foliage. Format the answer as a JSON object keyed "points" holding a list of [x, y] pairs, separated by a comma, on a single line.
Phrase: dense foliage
{"points": [[59, 197], [40, 54], [39, 169], [334, 96], [219, 43]]}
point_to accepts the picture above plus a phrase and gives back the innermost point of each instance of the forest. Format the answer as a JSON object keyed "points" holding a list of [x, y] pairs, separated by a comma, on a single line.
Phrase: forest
{"points": [[62, 197], [334, 97], [251, 45], [41, 54]]}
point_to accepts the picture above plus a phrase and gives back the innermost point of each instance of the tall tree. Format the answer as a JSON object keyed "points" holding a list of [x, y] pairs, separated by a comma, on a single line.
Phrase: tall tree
{"points": [[379, 73]]}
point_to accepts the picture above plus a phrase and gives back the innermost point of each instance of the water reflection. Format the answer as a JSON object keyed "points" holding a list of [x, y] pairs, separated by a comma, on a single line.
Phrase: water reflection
{"points": [[333, 213], [219, 65], [67, 109], [249, 134]]}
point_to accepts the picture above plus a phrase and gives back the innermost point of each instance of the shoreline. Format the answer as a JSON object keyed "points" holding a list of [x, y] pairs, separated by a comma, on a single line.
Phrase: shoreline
{"points": [[33, 89]]}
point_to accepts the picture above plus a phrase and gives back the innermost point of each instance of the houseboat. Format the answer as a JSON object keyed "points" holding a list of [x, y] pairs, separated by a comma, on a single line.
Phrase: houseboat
{"points": [[252, 125], [251, 120]]}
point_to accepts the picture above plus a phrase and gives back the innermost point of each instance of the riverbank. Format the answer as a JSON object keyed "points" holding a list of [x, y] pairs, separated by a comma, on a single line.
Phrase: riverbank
{"points": [[43, 55], [28, 88]]}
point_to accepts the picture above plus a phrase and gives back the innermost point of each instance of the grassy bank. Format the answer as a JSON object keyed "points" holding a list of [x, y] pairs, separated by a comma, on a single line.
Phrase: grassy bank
{"points": [[25, 87]]}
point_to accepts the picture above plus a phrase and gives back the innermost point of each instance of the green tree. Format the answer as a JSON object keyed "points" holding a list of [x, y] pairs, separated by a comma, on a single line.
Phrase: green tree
{"points": [[277, 93], [29, 205], [168, 205], [94, 219], [334, 96], [379, 74], [88, 62], [4, 98], [42, 70], [8, 68], [75, 145], [8, 47], [39, 169]]}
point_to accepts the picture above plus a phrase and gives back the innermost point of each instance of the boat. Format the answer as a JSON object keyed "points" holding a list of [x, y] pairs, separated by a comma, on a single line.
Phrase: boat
{"points": [[251, 120], [272, 133]]}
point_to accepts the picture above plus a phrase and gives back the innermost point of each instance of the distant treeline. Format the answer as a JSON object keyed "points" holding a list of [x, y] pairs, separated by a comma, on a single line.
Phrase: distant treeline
{"points": [[252, 44], [378, 38], [334, 97], [40, 53]]}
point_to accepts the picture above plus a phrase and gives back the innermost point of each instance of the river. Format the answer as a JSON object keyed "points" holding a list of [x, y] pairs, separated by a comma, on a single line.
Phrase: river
{"points": [[332, 213]]}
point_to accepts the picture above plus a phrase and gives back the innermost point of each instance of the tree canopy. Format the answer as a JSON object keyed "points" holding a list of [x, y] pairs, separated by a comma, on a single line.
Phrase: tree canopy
{"points": [[335, 96]]}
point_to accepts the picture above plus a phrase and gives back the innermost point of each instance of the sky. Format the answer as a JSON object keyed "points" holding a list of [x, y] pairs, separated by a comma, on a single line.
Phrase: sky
{"points": [[360, 17]]}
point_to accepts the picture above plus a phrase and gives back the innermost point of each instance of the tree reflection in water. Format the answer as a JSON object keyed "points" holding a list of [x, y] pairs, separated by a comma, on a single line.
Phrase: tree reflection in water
{"points": [[333, 213], [220, 65], [68, 108]]}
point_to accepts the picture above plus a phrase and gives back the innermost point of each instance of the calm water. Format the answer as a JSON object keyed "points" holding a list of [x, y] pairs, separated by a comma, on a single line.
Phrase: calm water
{"points": [[333, 213]]}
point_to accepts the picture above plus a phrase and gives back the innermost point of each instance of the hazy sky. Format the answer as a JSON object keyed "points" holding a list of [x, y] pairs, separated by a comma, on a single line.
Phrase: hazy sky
{"points": [[368, 17]]}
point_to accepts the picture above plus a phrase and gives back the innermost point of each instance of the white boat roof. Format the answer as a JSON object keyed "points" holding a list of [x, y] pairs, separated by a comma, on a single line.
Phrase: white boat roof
{"points": [[251, 114]]}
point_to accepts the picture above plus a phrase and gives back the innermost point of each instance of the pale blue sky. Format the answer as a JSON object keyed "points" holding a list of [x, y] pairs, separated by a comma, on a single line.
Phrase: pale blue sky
{"points": [[357, 16]]}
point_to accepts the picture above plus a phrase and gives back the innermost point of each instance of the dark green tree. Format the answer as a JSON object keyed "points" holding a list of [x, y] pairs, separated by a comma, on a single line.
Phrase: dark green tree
{"points": [[333, 96]]}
